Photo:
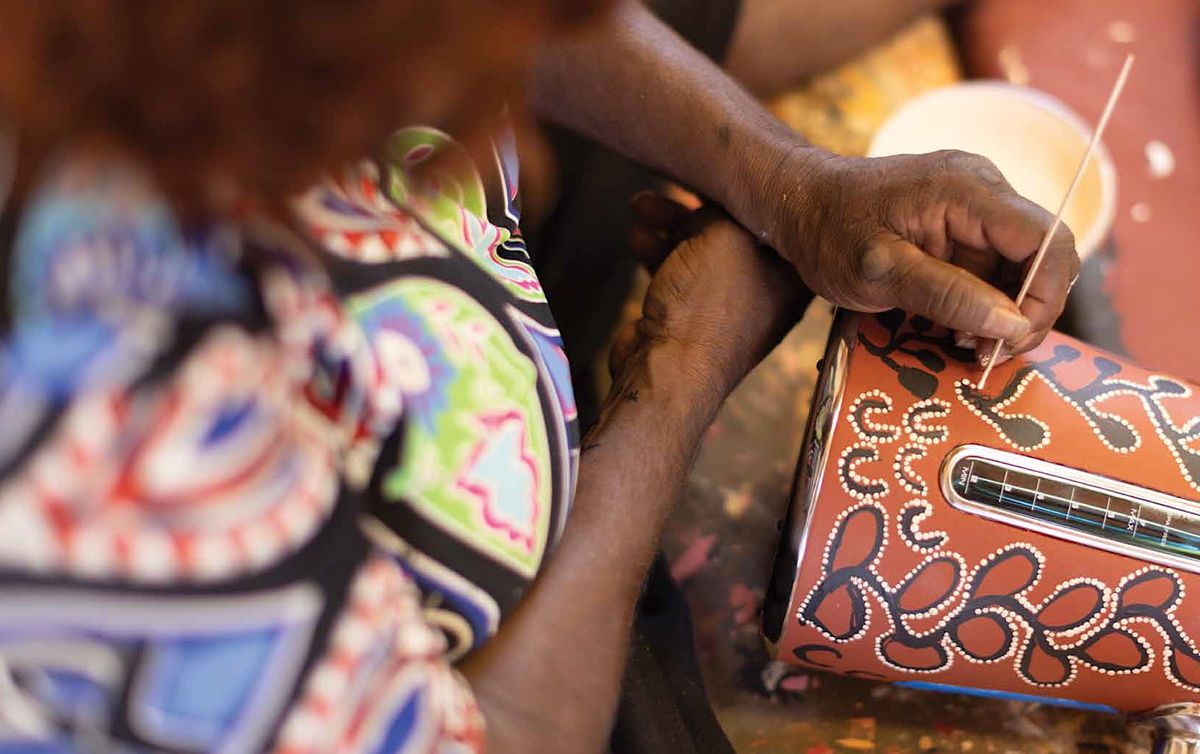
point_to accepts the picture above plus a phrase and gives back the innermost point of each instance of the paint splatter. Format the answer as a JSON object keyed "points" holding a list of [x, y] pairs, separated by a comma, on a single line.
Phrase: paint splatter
{"points": [[737, 502], [1013, 65], [796, 684], [1097, 57], [693, 559], [744, 604], [1159, 158], [1122, 32]]}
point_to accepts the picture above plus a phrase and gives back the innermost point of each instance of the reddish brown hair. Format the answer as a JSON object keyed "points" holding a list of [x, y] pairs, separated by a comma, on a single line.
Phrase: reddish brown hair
{"points": [[268, 92]]}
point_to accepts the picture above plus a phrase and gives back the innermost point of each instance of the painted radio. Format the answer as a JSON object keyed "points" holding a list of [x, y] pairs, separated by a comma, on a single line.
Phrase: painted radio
{"points": [[1041, 537]]}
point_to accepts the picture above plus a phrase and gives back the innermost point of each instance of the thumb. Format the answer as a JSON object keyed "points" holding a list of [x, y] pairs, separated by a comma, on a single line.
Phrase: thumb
{"points": [[944, 293]]}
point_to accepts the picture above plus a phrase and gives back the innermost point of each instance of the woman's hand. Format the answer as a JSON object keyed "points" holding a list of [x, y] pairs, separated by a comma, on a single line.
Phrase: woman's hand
{"points": [[943, 235], [919, 232], [717, 299]]}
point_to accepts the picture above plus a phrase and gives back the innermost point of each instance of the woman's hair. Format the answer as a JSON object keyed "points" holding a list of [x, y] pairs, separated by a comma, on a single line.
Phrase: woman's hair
{"points": [[268, 93]]}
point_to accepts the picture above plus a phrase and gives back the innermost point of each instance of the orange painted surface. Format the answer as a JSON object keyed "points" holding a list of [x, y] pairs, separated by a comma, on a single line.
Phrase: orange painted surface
{"points": [[895, 582]]}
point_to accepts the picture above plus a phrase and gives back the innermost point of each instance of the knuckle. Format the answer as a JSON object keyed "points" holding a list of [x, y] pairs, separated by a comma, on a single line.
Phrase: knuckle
{"points": [[1074, 264], [874, 265], [953, 158], [974, 166], [1065, 235], [987, 172], [1066, 251]]}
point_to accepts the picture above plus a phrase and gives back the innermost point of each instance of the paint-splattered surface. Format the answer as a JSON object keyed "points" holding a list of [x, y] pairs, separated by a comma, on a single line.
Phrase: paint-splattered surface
{"points": [[722, 541]]}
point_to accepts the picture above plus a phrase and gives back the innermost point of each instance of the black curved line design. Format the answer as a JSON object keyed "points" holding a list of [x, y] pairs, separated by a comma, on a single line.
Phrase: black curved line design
{"points": [[805, 652], [928, 602], [1021, 626], [906, 476], [920, 381], [1117, 431], [857, 485], [859, 419], [879, 520], [915, 419], [867, 674], [909, 516], [1000, 652], [909, 336], [1063, 593]]}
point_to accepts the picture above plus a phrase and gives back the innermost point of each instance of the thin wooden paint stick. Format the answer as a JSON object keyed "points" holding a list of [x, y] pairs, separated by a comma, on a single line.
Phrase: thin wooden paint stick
{"points": [[1041, 252]]}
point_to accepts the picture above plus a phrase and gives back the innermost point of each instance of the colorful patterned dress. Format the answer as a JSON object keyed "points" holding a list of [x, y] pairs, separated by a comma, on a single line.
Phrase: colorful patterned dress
{"points": [[260, 486]]}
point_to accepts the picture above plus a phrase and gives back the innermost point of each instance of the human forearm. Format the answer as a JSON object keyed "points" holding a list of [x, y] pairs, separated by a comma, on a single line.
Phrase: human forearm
{"points": [[548, 680], [928, 233], [634, 85], [716, 305]]}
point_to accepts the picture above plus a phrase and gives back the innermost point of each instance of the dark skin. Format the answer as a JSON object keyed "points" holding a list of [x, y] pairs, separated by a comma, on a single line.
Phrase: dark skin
{"points": [[927, 233], [865, 234], [717, 304]]}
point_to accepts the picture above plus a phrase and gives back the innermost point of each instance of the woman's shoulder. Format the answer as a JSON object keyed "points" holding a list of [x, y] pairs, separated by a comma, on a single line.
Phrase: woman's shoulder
{"points": [[100, 278]]}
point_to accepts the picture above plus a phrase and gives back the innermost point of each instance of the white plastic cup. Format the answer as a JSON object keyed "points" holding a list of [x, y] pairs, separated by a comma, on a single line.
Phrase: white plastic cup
{"points": [[1033, 138]]}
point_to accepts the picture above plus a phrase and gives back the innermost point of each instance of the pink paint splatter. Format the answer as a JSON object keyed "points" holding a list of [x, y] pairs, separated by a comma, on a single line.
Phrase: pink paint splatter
{"points": [[797, 684], [744, 604], [693, 558]]}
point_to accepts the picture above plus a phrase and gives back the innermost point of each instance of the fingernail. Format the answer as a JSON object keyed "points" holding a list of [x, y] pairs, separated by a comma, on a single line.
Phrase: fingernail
{"points": [[967, 341], [1006, 324], [1000, 359]]}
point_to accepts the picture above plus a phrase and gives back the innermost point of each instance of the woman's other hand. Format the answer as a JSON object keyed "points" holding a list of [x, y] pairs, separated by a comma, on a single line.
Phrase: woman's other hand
{"points": [[942, 235], [720, 300]]}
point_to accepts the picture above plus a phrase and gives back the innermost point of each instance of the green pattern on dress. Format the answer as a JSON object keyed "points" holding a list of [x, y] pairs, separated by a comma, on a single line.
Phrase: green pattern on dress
{"points": [[481, 468]]}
